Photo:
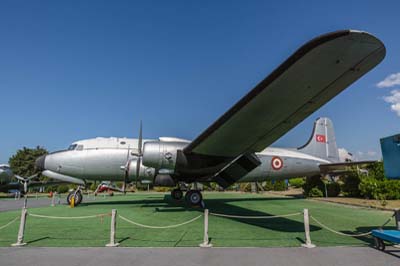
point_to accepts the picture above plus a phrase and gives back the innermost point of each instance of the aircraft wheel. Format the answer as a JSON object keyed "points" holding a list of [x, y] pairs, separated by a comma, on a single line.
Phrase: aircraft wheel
{"points": [[176, 194], [193, 197], [78, 197]]}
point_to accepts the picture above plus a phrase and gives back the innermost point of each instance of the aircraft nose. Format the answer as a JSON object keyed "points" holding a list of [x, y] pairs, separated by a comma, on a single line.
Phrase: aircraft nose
{"points": [[39, 163]]}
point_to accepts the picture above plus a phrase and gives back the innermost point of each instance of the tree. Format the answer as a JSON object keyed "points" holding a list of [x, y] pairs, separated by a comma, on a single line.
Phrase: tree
{"points": [[23, 161]]}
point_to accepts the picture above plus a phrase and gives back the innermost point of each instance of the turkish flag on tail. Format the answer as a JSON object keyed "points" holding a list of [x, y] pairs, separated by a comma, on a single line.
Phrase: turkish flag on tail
{"points": [[320, 138]]}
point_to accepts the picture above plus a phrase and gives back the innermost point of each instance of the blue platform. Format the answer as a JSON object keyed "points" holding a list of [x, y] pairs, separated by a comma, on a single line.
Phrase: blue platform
{"points": [[392, 236], [391, 156]]}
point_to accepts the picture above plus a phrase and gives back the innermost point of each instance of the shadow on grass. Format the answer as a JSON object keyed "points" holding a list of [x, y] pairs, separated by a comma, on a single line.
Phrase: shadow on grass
{"points": [[221, 205], [37, 240]]}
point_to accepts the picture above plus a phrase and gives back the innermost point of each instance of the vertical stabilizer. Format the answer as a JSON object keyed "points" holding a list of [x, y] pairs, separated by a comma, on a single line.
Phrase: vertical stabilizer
{"points": [[322, 143]]}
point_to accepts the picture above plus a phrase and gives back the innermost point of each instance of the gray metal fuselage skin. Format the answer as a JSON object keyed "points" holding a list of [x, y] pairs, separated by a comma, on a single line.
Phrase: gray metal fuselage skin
{"points": [[107, 163]]}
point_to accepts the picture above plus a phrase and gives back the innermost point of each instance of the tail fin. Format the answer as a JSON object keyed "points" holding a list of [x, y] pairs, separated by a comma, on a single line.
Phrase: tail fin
{"points": [[322, 143]]}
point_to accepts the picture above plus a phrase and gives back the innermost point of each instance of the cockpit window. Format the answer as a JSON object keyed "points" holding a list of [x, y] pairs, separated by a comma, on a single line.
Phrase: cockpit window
{"points": [[79, 148], [72, 147]]}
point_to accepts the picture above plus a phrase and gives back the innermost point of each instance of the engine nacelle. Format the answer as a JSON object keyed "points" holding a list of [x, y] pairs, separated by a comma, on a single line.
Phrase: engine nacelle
{"points": [[161, 154], [145, 173], [164, 181]]}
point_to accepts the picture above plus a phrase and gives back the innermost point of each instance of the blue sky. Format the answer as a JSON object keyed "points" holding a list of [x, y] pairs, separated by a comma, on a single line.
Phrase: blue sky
{"points": [[71, 70]]}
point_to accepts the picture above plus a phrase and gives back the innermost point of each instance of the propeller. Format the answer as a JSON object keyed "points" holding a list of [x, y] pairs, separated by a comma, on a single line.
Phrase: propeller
{"points": [[140, 154], [138, 161], [25, 181]]}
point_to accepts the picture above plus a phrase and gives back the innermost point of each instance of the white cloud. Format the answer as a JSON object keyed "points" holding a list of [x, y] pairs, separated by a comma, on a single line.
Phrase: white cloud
{"points": [[389, 81], [367, 155], [394, 100]]}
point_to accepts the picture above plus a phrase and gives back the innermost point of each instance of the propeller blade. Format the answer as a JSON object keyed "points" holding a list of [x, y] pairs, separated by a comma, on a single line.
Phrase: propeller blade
{"points": [[139, 159], [20, 178], [126, 170], [140, 139]]}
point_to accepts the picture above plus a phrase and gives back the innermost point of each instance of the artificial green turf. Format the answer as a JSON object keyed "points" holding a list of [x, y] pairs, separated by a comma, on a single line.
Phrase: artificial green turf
{"points": [[158, 209]]}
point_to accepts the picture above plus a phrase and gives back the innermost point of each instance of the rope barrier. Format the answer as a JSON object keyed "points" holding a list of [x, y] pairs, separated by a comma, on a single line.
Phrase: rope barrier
{"points": [[70, 217], [4, 226], [159, 227], [344, 234], [337, 232], [255, 217]]}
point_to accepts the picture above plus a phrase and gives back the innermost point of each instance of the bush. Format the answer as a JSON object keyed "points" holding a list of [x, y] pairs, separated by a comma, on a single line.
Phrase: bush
{"points": [[245, 187], [368, 187], [315, 192], [310, 183], [333, 189], [280, 185], [297, 182], [62, 189], [163, 189], [268, 186], [351, 182], [389, 189]]}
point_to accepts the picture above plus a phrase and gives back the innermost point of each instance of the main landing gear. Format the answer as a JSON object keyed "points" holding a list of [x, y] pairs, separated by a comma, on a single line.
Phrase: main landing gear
{"points": [[192, 197], [77, 195]]}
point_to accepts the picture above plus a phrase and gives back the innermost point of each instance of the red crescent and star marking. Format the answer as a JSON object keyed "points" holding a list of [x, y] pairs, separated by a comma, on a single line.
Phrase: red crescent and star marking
{"points": [[320, 138], [276, 163]]}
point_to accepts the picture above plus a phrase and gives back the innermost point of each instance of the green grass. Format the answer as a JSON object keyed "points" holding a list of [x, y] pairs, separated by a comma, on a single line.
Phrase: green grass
{"points": [[159, 209]]}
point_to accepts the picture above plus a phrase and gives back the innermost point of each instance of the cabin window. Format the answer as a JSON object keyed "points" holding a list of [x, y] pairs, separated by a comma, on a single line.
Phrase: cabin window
{"points": [[72, 147], [122, 142], [79, 148]]}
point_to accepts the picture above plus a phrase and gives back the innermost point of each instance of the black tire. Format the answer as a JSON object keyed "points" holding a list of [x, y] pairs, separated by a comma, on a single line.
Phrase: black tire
{"points": [[78, 197], [382, 245], [194, 197], [376, 242], [176, 194]]}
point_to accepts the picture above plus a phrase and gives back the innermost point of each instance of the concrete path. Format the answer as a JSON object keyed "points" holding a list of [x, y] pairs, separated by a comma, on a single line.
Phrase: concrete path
{"points": [[349, 256], [11, 204]]}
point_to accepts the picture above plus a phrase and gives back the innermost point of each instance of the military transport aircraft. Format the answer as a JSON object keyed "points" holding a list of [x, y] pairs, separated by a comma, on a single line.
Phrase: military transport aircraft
{"points": [[235, 147]]}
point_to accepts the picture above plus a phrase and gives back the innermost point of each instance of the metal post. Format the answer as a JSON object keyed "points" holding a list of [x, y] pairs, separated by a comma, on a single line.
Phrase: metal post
{"points": [[113, 229], [25, 200], [397, 217], [308, 243], [206, 241], [20, 239]]}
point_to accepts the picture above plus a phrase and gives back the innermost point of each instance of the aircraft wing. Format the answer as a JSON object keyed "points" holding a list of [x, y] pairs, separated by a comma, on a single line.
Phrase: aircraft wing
{"points": [[308, 79], [342, 167]]}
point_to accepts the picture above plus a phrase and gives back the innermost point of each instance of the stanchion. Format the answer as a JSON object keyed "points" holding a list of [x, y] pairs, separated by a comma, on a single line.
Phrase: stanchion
{"points": [[308, 243], [20, 239], [206, 240], [113, 229]]}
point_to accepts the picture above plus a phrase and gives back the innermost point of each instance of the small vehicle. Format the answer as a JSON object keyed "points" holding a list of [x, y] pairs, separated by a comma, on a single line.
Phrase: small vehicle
{"points": [[380, 236]]}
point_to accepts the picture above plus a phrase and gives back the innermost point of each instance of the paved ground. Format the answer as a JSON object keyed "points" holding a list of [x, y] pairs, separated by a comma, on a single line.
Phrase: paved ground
{"points": [[12, 204], [349, 256]]}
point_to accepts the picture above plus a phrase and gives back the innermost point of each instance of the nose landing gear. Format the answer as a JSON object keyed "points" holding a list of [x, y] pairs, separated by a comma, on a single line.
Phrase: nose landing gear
{"points": [[77, 195]]}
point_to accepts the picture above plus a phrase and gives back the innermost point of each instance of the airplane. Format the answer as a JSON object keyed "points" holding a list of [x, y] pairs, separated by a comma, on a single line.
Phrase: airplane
{"points": [[235, 148], [7, 183]]}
